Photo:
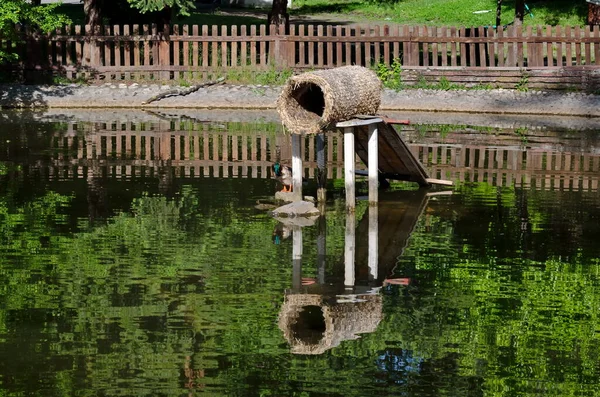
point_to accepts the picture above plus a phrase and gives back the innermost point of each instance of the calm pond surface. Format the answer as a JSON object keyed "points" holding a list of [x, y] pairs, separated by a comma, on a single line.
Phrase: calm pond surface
{"points": [[135, 261]]}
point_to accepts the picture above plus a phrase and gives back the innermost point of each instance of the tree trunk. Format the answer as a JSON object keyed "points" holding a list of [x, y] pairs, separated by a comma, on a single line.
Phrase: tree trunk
{"points": [[93, 12], [498, 13], [519, 12], [593, 14], [279, 14], [36, 2]]}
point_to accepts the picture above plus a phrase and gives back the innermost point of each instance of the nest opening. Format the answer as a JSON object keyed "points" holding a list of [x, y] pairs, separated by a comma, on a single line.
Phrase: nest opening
{"points": [[310, 99], [309, 326]]}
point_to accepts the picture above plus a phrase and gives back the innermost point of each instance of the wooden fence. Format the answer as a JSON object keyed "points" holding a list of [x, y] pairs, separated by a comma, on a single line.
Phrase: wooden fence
{"points": [[127, 150], [543, 55]]}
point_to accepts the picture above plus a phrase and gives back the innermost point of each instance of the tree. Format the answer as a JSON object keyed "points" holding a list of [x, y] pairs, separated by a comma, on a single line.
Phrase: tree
{"points": [[93, 12], [519, 12], [498, 13], [593, 12], [184, 6], [279, 14], [20, 12]]}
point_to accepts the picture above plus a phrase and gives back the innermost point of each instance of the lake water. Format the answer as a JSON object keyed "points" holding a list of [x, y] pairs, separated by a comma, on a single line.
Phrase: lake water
{"points": [[135, 261]]}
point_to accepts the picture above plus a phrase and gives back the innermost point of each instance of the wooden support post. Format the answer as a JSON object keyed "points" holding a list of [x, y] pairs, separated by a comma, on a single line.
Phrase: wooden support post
{"points": [[296, 257], [321, 169], [373, 165], [373, 242], [297, 170], [349, 168], [349, 250]]}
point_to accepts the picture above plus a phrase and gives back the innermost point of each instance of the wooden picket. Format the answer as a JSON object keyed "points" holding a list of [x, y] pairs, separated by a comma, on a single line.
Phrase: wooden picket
{"points": [[550, 54]]}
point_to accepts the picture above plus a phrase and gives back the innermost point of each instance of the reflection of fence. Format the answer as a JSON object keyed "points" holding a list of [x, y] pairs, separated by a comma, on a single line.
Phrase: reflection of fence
{"points": [[555, 55], [508, 166], [129, 150]]}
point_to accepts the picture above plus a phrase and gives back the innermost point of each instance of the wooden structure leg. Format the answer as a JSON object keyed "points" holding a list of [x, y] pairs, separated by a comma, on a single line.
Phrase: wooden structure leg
{"points": [[349, 168], [297, 170], [373, 165]]}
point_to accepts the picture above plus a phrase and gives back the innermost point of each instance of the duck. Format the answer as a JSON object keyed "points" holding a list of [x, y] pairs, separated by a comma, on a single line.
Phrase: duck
{"points": [[283, 174]]}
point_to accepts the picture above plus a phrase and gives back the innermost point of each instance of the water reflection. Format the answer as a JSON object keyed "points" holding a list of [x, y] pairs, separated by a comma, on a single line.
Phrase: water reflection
{"points": [[319, 314], [125, 273]]}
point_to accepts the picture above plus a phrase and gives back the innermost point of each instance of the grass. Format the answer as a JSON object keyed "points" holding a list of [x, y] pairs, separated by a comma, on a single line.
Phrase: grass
{"points": [[429, 12], [446, 12]]}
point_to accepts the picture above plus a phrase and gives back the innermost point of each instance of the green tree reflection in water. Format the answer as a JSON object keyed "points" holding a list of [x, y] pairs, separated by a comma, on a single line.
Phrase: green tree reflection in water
{"points": [[178, 293]]}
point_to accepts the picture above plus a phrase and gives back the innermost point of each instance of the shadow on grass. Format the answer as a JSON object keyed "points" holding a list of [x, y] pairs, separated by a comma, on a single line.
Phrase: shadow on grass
{"points": [[554, 10], [335, 8]]}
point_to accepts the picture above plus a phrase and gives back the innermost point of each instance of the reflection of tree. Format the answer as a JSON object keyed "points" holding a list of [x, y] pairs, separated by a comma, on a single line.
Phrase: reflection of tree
{"points": [[175, 288]]}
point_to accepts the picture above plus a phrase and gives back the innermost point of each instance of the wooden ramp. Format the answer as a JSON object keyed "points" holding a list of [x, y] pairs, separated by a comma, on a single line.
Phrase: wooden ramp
{"points": [[395, 160]]}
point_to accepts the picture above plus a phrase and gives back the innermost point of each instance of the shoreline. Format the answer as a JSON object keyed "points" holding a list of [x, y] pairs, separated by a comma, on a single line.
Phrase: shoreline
{"points": [[257, 97]]}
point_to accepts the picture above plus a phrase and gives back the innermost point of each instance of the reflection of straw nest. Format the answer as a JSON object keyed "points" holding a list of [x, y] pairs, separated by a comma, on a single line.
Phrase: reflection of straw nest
{"points": [[311, 101], [312, 326]]}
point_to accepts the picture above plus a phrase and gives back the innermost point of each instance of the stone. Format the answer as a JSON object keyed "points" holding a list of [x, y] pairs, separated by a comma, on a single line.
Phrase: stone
{"points": [[296, 209]]}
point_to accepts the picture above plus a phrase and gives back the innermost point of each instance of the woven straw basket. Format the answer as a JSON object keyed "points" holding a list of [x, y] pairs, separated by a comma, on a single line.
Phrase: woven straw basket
{"points": [[313, 101]]}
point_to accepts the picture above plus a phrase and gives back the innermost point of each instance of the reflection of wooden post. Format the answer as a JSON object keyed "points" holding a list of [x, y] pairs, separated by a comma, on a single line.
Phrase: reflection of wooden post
{"points": [[297, 170], [373, 242], [373, 165], [321, 249], [296, 257], [349, 249], [349, 168], [321, 169]]}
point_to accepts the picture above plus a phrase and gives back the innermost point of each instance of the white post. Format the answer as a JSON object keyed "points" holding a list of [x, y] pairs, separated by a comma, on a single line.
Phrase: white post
{"points": [[349, 168], [349, 249], [373, 165], [296, 257], [373, 241], [297, 170]]}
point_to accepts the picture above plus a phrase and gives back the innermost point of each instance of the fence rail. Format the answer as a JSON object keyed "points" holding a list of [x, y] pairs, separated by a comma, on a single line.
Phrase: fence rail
{"points": [[193, 52]]}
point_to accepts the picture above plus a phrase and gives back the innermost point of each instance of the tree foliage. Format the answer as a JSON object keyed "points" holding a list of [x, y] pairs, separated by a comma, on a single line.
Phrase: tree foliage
{"points": [[25, 14], [182, 6]]}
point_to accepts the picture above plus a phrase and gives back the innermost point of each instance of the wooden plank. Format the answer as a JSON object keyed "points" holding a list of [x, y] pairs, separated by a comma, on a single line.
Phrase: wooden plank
{"points": [[243, 48], [338, 59], [348, 57], [368, 60], [235, 62], [453, 47], [263, 46], [320, 50], [587, 60], [395, 43], [386, 46], [302, 47], [482, 46], [434, 47], [253, 46], [329, 61], [358, 48], [311, 46], [377, 46], [425, 33]]}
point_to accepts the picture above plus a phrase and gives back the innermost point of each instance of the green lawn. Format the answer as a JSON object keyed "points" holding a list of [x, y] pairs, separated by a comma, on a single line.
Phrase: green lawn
{"points": [[429, 12], [445, 12]]}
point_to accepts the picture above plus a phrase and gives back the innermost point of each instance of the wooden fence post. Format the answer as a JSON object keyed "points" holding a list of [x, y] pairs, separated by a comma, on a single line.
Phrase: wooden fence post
{"points": [[164, 53]]}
